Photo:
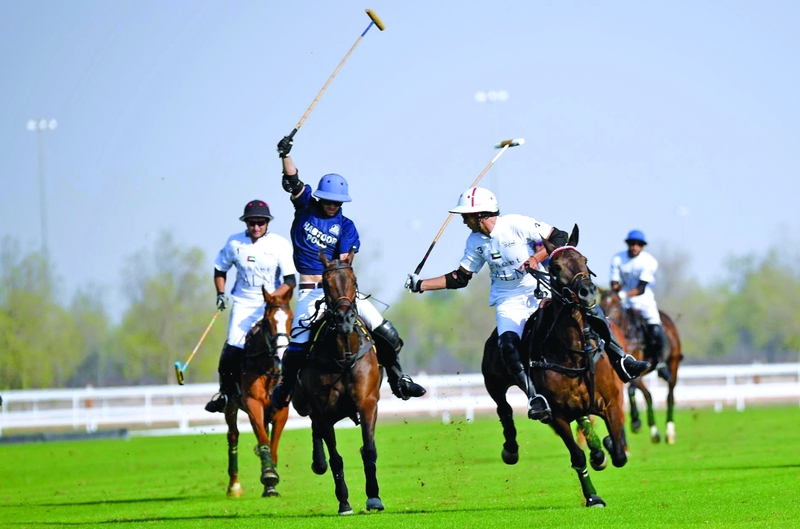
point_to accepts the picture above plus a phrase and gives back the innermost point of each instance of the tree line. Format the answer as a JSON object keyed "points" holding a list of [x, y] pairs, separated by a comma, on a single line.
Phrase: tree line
{"points": [[752, 314]]}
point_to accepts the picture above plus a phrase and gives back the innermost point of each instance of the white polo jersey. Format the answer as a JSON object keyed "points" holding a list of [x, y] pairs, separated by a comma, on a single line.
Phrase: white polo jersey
{"points": [[512, 241], [264, 262], [628, 272]]}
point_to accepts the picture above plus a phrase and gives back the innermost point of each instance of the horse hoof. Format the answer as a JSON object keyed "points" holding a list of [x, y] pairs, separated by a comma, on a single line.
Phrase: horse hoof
{"points": [[671, 433], [270, 492], [270, 479], [654, 435], [319, 469], [345, 509], [235, 490], [636, 426], [595, 501], [374, 504], [510, 458], [598, 460]]}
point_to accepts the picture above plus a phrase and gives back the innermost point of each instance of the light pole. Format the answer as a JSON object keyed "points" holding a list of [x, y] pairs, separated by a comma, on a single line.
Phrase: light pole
{"points": [[494, 97], [39, 127]]}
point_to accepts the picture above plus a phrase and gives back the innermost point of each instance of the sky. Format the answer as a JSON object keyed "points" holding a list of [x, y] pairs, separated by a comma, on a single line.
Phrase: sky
{"points": [[678, 118]]}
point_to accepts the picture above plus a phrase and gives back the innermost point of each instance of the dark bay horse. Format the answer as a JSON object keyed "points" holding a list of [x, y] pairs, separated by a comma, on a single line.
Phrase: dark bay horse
{"points": [[567, 366], [264, 345], [341, 379], [632, 326]]}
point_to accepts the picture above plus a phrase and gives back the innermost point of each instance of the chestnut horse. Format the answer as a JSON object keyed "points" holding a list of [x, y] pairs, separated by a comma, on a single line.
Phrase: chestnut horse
{"points": [[632, 326], [341, 379], [261, 369], [567, 366]]}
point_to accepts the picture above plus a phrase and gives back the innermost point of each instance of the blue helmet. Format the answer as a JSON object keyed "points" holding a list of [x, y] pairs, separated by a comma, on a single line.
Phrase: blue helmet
{"points": [[332, 187], [636, 235]]}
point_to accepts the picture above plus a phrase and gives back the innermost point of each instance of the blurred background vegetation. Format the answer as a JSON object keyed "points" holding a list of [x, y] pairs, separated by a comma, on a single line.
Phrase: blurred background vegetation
{"points": [[750, 315]]}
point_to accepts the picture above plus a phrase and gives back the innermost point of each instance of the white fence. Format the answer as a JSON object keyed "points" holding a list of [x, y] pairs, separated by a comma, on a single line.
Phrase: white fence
{"points": [[176, 409]]}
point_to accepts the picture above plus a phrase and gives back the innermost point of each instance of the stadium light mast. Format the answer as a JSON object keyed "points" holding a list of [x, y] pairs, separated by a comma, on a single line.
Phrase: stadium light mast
{"points": [[40, 126]]}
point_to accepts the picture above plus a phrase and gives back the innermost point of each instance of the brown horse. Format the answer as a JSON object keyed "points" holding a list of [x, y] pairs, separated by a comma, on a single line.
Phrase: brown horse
{"points": [[568, 367], [341, 379], [264, 345], [631, 326]]}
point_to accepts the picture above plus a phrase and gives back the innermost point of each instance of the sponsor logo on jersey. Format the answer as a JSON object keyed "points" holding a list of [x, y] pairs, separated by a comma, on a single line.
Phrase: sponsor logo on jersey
{"points": [[316, 237], [335, 230]]}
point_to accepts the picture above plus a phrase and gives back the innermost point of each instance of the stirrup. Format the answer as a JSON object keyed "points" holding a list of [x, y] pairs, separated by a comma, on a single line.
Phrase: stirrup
{"points": [[277, 398], [217, 403], [405, 388], [539, 409], [633, 369], [663, 371]]}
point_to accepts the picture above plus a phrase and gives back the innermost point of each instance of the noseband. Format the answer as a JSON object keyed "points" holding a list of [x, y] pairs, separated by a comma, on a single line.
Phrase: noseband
{"points": [[342, 310]]}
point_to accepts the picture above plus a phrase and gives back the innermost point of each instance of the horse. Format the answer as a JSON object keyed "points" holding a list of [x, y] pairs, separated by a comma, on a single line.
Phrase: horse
{"points": [[261, 368], [632, 327], [568, 366], [341, 379]]}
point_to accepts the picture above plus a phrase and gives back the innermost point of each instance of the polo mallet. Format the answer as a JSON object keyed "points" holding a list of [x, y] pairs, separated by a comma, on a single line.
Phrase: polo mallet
{"points": [[178, 369], [374, 20], [503, 146]]}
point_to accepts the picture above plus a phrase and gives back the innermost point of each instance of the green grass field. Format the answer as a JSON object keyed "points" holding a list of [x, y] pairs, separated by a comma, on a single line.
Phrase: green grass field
{"points": [[727, 469]]}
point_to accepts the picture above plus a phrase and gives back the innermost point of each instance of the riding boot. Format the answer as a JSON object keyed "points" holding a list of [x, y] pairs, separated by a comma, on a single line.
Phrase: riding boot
{"points": [[388, 347], [655, 351], [230, 371], [293, 360], [626, 366], [538, 407]]}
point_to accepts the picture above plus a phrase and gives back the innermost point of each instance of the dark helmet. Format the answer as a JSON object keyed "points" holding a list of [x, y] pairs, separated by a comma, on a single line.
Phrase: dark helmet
{"points": [[636, 236], [256, 208]]}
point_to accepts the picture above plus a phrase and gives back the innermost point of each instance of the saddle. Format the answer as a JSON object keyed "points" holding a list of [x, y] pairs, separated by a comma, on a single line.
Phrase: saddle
{"points": [[258, 356], [323, 336]]}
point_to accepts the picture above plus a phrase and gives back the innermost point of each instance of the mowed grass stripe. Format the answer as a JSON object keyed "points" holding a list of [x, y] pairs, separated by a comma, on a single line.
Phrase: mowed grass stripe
{"points": [[727, 469]]}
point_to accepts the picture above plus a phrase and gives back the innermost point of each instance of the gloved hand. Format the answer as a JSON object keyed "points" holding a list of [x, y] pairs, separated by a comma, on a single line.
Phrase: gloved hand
{"points": [[284, 146], [531, 264], [414, 283], [222, 301]]}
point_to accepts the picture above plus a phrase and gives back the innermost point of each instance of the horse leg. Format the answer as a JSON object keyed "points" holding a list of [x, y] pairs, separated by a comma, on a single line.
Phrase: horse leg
{"points": [[671, 409], [655, 436], [269, 476], [597, 457], [337, 468], [369, 454], [234, 487], [636, 422], [318, 463], [510, 453], [578, 460]]}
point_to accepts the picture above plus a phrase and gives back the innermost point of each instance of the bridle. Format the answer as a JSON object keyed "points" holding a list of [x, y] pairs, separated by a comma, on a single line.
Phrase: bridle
{"points": [[342, 310], [272, 339]]}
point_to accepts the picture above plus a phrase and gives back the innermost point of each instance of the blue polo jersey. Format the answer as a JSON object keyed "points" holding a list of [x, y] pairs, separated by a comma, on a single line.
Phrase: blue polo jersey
{"points": [[312, 231]]}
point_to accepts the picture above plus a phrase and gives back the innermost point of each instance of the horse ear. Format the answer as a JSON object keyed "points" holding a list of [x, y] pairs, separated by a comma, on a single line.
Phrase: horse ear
{"points": [[350, 255], [323, 259], [549, 246], [573, 237]]}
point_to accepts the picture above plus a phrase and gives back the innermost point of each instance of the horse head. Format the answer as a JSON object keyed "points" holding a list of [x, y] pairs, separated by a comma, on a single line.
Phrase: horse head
{"points": [[570, 277], [276, 325], [611, 305], [339, 284]]}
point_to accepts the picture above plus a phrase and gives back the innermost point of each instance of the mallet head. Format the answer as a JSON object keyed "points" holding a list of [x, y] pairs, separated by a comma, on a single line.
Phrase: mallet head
{"points": [[375, 19], [179, 373], [509, 143]]}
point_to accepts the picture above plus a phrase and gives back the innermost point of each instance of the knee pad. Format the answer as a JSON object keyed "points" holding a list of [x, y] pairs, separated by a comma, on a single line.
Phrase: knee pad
{"points": [[509, 351]]}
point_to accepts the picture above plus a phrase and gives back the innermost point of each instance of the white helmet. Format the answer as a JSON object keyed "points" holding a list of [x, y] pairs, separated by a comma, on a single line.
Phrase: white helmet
{"points": [[476, 200]]}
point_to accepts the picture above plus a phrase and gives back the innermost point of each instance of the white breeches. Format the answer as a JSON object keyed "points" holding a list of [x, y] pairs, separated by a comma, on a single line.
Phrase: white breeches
{"points": [[306, 312]]}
